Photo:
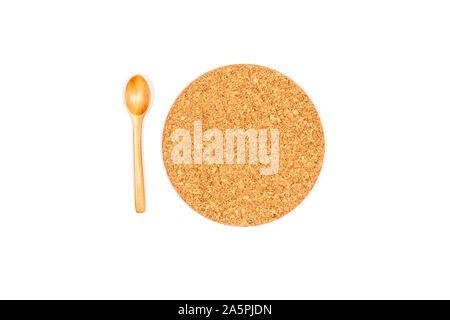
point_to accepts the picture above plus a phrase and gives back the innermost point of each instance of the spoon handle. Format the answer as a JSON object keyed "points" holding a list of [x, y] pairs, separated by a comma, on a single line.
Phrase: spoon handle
{"points": [[139, 191]]}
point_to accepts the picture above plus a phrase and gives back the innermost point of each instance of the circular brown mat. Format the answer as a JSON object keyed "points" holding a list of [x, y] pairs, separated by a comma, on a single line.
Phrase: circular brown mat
{"points": [[243, 145]]}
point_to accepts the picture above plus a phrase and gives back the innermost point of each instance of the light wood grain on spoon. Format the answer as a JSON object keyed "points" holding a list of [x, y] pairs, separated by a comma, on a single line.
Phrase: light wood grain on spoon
{"points": [[137, 98]]}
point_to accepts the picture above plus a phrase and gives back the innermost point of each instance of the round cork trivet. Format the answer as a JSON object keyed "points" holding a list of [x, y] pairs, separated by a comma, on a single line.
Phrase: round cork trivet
{"points": [[204, 152]]}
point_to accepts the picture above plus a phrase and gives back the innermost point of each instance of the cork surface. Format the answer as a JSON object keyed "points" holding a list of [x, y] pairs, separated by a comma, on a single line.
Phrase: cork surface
{"points": [[247, 97]]}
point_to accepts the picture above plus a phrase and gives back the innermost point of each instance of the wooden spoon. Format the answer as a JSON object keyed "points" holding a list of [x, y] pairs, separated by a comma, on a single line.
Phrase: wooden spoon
{"points": [[137, 98]]}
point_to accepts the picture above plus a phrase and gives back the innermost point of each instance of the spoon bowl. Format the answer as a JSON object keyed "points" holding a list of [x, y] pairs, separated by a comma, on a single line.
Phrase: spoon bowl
{"points": [[137, 95]]}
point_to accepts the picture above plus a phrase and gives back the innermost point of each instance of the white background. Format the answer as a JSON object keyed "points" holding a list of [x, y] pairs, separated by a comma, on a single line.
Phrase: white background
{"points": [[376, 225]]}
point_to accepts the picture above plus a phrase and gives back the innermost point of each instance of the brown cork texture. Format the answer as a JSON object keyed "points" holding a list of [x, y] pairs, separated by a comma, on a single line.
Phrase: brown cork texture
{"points": [[246, 97]]}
